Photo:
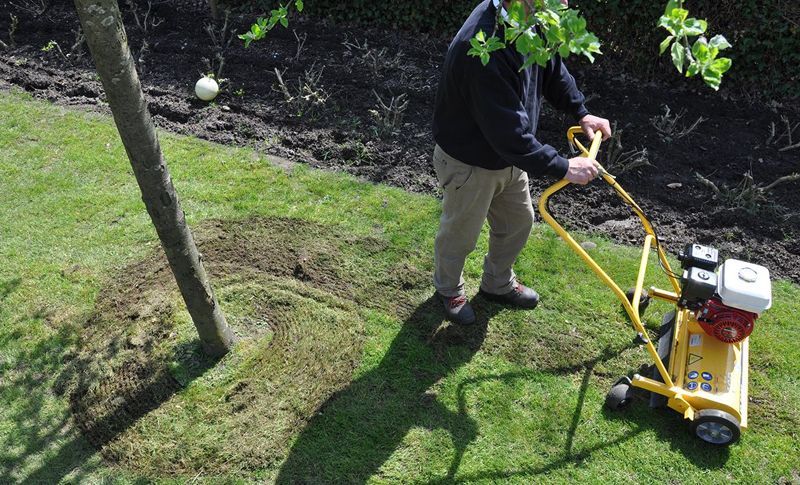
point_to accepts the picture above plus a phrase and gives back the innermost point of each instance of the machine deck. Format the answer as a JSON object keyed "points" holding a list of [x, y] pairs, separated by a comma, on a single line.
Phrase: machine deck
{"points": [[710, 373]]}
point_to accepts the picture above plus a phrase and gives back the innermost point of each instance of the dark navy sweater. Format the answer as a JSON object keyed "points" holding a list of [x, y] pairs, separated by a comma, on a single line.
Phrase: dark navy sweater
{"points": [[487, 115]]}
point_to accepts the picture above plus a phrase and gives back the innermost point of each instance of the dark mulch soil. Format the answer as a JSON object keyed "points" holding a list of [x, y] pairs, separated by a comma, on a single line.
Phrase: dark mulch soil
{"points": [[355, 66]]}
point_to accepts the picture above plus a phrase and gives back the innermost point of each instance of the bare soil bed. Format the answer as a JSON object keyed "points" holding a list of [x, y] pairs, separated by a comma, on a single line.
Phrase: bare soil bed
{"points": [[336, 113]]}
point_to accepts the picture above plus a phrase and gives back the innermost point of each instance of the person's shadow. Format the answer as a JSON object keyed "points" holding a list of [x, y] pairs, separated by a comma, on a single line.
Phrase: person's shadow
{"points": [[358, 428]]}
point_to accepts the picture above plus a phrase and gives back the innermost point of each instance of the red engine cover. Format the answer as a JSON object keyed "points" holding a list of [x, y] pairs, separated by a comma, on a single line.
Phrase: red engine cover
{"points": [[727, 324]]}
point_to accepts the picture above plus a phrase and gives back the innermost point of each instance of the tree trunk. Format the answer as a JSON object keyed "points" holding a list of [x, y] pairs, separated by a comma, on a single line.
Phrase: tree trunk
{"points": [[108, 43]]}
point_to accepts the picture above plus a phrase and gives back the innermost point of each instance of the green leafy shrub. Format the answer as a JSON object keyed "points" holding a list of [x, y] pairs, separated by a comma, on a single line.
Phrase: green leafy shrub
{"points": [[765, 33]]}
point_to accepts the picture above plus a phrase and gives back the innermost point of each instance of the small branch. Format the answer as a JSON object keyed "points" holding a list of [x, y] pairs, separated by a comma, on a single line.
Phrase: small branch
{"points": [[790, 147], [79, 40], [785, 178], [301, 41], [282, 85], [12, 29], [711, 185]]}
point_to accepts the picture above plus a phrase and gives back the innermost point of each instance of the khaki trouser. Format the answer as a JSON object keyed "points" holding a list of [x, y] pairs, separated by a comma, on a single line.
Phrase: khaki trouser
{"points": [[471, 195]]}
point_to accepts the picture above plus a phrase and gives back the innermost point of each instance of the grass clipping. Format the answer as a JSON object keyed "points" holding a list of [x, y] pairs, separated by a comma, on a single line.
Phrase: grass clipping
{"points": [[143, 393]]}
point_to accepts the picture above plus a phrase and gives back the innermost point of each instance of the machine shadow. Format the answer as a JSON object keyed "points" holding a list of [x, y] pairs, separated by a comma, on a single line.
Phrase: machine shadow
{"points": [[673, 429], [570, 455], [358, 428]]}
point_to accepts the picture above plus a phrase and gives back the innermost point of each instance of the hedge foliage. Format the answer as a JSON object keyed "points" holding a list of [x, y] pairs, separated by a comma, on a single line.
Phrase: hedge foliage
{"points": [[765, 33]]}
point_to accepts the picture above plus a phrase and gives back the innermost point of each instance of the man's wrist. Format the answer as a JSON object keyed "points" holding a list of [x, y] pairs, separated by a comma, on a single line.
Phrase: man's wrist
{"points": [[560, 167]]}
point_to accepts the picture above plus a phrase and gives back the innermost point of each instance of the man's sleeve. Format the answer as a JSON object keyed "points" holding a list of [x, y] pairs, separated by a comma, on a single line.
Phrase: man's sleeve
{"points": [[500, 113], [560, 90]]}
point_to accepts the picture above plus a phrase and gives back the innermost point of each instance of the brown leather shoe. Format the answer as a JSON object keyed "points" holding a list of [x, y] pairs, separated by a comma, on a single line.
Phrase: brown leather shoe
{"points": [[457, 309], [520, 296]]}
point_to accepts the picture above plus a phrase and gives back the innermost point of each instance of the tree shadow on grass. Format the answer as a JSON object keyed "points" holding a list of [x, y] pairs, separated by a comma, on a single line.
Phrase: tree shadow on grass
{"points": [[7, 287], [43, 444]]}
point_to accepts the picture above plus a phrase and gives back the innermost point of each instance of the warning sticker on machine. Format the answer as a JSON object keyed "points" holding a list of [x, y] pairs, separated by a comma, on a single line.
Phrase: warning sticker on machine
{"points": [[695, 340], [694, 358]]}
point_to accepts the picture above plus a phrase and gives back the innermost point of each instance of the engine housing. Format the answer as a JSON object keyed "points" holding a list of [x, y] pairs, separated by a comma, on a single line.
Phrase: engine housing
{"points": [[725, 323]]}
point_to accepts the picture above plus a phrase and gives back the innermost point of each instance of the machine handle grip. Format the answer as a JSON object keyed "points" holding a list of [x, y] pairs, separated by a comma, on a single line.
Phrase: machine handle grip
{"points": [[591, 153]]}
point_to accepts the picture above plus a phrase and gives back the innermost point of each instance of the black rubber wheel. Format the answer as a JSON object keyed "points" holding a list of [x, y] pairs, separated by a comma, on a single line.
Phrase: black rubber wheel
{"points": [[716, 427], [620, 395], [644, 299]]}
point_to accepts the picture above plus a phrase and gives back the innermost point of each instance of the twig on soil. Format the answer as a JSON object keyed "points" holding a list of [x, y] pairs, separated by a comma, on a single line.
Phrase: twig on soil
{"points": [[34, 7], [76, 51], [301, 42], [392, 117], [706, 182], [375, 59], [144, 22], [787, 135], [287, 96], [54, 45], [786, 178], [221, 39], [309, 94], [618, 160], [12, 29], [668, 124], [746, 194]]}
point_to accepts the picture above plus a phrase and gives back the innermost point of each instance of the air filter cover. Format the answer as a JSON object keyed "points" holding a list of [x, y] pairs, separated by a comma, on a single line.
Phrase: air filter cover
{"points": [[745, 286]]}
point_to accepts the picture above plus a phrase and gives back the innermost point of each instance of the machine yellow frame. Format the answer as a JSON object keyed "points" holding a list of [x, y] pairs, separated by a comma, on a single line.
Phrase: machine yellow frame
{"points": [[692, 352]]}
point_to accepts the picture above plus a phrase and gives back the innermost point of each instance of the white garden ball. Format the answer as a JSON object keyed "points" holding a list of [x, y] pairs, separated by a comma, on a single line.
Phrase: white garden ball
{"points": [[206, 88]]}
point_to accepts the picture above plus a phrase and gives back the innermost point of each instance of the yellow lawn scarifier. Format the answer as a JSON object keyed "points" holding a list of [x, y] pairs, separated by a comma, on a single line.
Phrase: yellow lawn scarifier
{"points": [[701, 357]]}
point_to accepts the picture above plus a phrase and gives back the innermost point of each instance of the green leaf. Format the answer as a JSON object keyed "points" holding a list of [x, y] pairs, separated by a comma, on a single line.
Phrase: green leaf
{"points": [[493, 43], [480, 36], [712, 79], [700, 50], [298, 4], [721, 65], [679, 15], [548, 17], [666, 23], [516, 12], [678, 56], [284, 21], [695, 27], [665, 44], [484, 58], [563, 50], [719, 42], [247, 38], [671, 5]]}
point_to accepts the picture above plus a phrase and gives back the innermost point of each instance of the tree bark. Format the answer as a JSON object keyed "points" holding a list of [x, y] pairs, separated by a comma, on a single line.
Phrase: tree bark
{"points": [[107, 41]]}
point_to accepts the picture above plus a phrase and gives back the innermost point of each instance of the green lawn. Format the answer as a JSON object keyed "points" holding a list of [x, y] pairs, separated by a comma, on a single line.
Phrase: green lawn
{"points": [[345, 372]]}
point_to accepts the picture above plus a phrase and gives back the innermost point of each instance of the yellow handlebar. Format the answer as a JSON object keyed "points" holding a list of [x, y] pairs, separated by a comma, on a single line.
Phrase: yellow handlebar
{"points": [[591, 153], [595, 147], [650, 240]]}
